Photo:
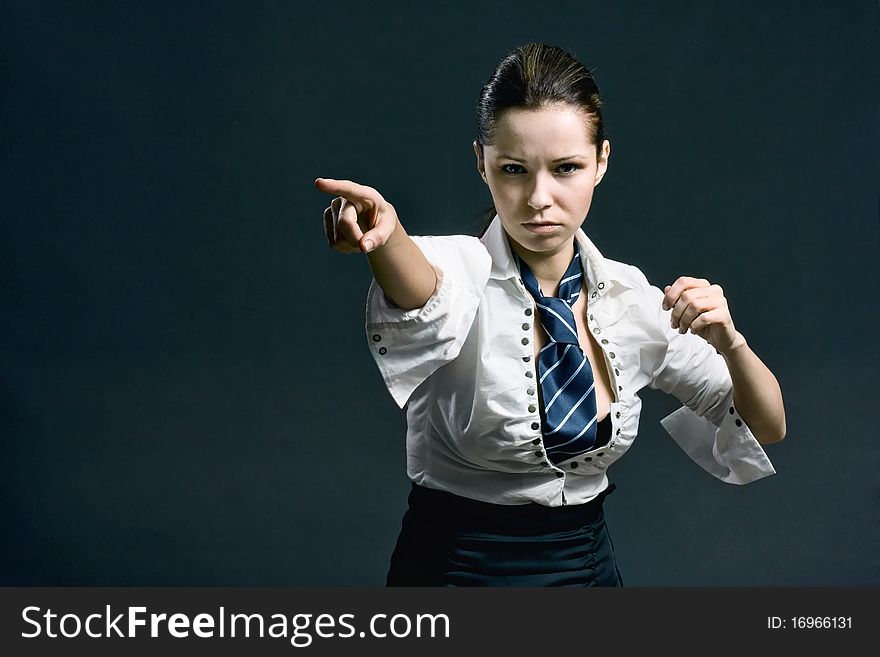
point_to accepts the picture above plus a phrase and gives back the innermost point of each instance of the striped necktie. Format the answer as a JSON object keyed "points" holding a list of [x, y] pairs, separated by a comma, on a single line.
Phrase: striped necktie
{"points": [[568, 397]]}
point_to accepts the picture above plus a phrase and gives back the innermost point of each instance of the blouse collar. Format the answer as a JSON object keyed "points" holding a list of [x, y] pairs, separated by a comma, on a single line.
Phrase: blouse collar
{"points": [[504, 266]]}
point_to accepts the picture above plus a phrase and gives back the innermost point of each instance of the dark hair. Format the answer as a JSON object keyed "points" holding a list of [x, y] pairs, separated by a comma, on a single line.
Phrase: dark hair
{"points": [[530, 77]]}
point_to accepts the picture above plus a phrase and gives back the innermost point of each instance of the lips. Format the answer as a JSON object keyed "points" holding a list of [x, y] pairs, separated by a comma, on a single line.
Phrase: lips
{"points": [[543, 227]]}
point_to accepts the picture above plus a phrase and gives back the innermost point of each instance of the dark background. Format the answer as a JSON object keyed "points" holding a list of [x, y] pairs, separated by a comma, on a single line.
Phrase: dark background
{"points": [[187, 393]]}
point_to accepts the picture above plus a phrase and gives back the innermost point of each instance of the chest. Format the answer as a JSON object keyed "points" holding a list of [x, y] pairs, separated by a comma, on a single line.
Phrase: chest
{"points": [[592, 350]]}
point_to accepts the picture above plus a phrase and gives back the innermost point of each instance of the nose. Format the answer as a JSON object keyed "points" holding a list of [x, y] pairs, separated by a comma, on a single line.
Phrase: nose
{"points": [[539, 194]]}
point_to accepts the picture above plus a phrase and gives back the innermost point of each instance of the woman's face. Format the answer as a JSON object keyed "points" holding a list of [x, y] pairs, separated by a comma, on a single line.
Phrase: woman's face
{"points": [[541, 171]]}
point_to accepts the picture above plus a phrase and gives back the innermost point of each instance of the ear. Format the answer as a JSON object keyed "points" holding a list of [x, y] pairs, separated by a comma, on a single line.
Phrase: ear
{"points": [[481, 164], [603, 161]]}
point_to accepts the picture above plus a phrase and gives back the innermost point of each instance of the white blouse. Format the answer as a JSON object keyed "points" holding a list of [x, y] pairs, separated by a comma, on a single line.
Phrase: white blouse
{"points": [[461, 366]]}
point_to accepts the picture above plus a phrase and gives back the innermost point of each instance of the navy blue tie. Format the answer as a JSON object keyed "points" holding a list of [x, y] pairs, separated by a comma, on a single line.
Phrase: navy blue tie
{"points": [[568, 395]]}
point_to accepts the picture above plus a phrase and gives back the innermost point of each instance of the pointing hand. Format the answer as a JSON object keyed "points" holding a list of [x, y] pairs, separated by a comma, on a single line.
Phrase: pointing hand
{"points": [[359, 219]]}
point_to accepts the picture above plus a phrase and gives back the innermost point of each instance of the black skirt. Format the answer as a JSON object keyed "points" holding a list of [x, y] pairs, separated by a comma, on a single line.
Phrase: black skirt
{"points": [[449, 540]]}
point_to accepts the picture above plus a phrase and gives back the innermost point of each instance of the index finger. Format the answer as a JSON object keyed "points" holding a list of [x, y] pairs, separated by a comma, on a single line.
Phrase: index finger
{"points": [[359, 195]]}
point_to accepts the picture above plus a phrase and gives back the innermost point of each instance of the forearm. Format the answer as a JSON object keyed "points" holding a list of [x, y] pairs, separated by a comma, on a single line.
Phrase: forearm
{"points": [[402, 271], [756, 393]]}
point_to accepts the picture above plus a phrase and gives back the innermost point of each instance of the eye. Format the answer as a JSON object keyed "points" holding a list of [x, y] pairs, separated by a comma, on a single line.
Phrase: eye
{"points": [[572, 167]]}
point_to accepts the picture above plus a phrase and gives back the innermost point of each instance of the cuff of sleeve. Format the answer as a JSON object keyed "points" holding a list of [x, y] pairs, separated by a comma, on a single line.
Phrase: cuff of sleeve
{"points": [[410, 345], [410, 348], [729, 452], [385, 312]]}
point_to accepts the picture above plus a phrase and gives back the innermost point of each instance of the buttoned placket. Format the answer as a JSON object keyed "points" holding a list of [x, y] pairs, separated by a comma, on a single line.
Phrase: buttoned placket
{"points": [[613, 372], [532, 390]]}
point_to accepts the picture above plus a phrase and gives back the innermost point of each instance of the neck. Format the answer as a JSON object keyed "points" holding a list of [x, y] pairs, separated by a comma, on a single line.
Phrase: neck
{"points": [[548, 267]]}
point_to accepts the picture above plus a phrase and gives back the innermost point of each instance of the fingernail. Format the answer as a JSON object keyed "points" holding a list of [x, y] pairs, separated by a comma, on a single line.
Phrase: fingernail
{"points": [[368, 245]]}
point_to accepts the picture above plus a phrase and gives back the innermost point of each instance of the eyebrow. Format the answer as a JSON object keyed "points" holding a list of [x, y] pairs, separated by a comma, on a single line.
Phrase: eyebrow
{"points": [[558, 159]]}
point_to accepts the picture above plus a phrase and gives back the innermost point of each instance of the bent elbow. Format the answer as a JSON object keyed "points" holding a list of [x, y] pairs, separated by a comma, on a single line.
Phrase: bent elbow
{"points": [[776, 437]]}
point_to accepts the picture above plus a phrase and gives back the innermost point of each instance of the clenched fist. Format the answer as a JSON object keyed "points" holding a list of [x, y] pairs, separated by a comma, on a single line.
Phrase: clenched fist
{"points": [[700, 306]]}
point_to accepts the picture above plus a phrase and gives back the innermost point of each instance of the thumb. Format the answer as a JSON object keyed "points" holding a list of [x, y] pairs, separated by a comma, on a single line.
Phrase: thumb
{"points": [[380, 228]]}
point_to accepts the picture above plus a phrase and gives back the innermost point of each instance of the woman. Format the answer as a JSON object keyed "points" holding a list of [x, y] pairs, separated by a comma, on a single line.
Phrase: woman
{"points": [[519, 354]]}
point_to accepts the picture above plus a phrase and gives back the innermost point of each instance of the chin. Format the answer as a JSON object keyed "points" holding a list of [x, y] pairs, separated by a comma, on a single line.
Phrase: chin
{"points": [[541, 243]]}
